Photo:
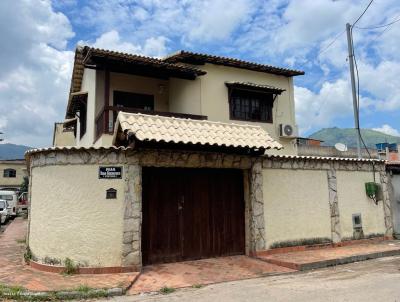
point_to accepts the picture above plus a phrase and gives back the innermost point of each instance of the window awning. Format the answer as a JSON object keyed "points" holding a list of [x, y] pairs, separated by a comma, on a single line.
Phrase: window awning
{"points": [[76, 100], [160, 129], [255, 87]]}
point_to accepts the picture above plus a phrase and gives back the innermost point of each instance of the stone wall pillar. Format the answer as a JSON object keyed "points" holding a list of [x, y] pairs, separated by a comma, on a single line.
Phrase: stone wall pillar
{"points": [[385, 182], [131, 245], [256, 209], [334, 206]]}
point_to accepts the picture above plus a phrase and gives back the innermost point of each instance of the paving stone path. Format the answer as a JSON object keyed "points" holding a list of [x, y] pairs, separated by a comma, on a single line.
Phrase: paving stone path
{"points": [[14, 272]]}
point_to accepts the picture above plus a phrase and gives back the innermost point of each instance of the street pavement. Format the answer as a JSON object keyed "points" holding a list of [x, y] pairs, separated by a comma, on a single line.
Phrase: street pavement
{"points": [[374, 280]]}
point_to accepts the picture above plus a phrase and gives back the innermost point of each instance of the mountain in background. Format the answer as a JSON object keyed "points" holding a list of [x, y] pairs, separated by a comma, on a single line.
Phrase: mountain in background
{"points": [[11, 151], [348, 136]]}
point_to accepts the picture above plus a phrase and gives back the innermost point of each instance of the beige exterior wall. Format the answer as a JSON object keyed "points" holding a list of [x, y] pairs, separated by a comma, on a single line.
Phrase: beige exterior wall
{"points": [[396, 202], [207, 95], [296, 205], [89, 86], [63, 137], [215, 103], [353, 200], [145, 85], [73, 197], [21, 171], [185, 96]]}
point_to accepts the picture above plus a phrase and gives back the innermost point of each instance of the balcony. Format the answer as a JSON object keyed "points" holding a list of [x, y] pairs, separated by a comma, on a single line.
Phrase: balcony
{"points": [[105, 121]]}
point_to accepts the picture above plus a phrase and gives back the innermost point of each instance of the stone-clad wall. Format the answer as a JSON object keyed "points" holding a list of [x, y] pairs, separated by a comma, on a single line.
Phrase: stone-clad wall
{"points": [[133, 161], [254, 169], [338, 175]]}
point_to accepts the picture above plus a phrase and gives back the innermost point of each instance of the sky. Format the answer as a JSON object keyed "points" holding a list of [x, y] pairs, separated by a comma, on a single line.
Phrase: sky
{"points": [[38, 43]]}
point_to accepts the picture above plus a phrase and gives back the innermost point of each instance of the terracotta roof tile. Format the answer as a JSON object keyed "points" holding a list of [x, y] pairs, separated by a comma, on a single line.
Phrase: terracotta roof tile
{"points": [[187, 131]]}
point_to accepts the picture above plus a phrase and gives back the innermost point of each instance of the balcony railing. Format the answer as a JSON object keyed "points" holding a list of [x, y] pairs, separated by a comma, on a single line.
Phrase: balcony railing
{"points": [[105, 121]]}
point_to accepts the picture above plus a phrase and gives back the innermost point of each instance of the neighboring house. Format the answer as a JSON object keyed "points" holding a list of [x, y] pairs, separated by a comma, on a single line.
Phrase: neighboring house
{"points": [[12, 173], [184, 84]]}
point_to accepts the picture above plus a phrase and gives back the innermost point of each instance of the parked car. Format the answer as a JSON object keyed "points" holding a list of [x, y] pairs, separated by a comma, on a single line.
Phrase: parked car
{"points": [[12, 199], [3, 211]]}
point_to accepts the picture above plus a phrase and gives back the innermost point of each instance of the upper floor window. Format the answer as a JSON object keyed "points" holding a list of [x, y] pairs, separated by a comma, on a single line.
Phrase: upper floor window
{"points": [[247, 105], [83, 118], [133, 100], [10, 173]]}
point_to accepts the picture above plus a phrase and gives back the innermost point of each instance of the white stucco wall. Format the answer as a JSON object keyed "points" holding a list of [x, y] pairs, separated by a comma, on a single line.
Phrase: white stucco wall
{"points": [[353, 200], [296, 205], [71, 217]]}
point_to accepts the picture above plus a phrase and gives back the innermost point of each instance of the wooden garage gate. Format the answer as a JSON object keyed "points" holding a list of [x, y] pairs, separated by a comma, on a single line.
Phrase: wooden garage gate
{"points": [[192, 214]]}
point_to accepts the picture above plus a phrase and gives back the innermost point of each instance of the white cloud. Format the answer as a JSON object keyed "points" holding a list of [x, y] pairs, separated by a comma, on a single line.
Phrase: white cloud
{"points": [[322, 108], [35, 72], [36, 65], [387, 129], [112, 40]]}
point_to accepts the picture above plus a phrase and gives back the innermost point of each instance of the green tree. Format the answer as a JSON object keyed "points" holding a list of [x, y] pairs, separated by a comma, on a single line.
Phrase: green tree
{"points": [[25, 184]]}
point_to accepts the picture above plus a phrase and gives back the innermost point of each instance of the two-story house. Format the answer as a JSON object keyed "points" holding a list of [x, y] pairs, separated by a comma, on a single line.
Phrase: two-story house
{"points": [[12, 173], [164, 160], [184, 84]]}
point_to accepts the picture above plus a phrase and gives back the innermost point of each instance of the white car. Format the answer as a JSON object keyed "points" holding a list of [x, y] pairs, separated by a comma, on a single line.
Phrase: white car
{"points": [[12, 199], [3, 211]]}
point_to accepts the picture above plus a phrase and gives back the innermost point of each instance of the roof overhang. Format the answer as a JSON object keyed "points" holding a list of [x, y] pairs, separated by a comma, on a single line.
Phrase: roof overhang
{"points": [[75, 102], [131, 128], [200, 59], [136, 64], [255, 87], [393, 166]]}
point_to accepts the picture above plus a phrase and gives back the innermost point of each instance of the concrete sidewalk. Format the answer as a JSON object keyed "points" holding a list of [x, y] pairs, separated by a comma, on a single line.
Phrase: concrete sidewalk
{"points": [[330, 256]]}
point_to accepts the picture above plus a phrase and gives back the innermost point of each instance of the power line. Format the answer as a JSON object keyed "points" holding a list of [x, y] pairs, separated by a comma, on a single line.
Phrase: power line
{"points": [[341, 33], [380, 26], [331, 43], [365, 10]]}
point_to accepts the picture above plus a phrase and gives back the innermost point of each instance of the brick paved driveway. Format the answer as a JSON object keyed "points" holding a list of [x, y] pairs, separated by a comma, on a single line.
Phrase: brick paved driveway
{"points": [[202, 272], [13, 271]]}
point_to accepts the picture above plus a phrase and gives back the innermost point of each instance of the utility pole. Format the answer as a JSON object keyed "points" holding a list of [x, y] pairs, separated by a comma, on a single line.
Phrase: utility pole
{"points": [[353, 88]]}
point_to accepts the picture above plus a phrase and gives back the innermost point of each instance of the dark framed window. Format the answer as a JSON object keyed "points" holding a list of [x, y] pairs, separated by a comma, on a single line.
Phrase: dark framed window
{"points": [[82, 117], [133, 100], [246, 105], [10, 173]]}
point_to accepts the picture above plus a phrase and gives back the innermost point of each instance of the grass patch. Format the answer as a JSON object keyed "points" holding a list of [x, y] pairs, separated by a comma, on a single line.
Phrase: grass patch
{"points": [[197, 285], [70, 267], [21, 241], [18, 293], [83, 288], [28, 255], [307, 241], [167, 290], [51, 261]]}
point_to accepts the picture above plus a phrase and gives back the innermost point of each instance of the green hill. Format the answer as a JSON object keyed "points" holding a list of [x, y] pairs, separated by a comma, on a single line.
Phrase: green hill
{"points": [[11, 151], [348, 136]]}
